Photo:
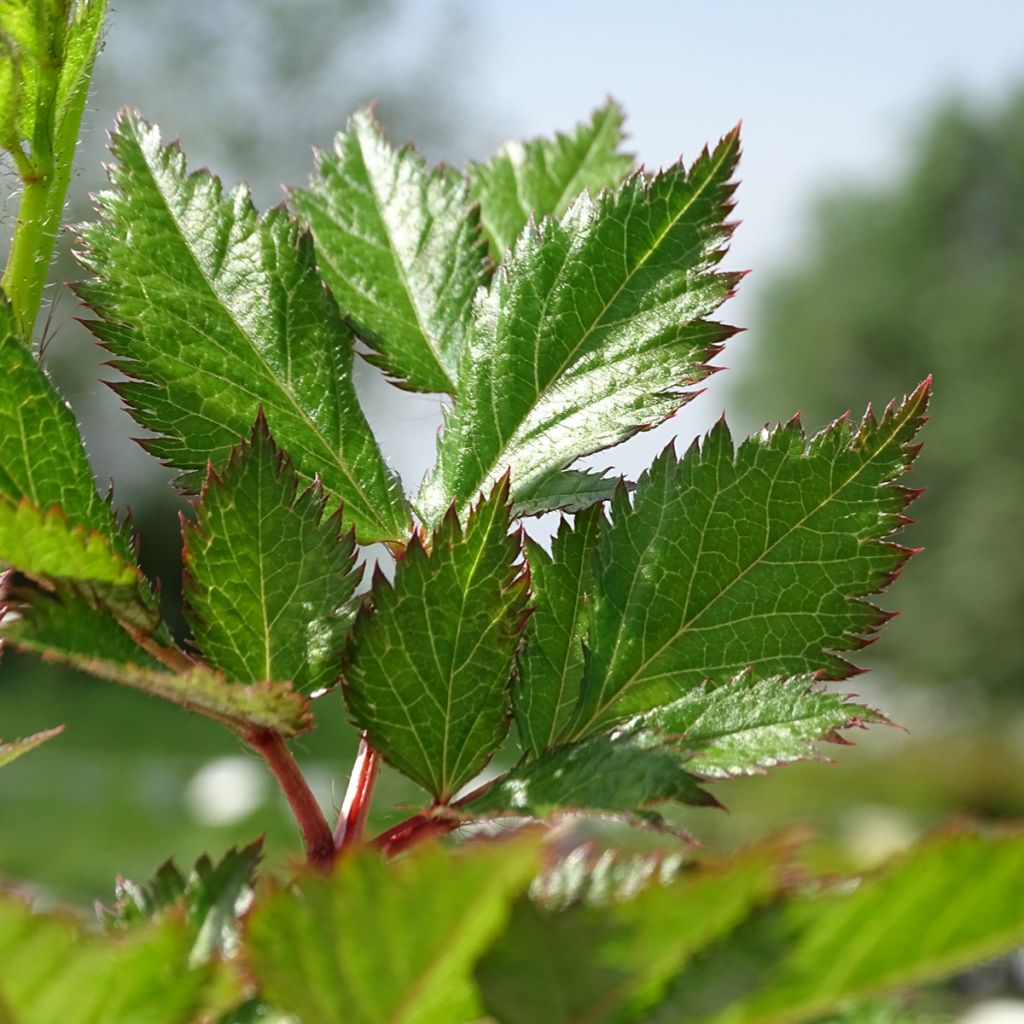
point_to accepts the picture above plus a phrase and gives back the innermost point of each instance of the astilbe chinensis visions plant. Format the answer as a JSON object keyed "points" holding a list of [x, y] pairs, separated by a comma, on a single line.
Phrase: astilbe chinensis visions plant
{"points": [[678, 631]]}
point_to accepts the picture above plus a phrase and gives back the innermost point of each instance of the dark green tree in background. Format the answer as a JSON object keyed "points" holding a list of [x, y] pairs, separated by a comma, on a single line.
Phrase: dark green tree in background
{"points": [[926, 274]]}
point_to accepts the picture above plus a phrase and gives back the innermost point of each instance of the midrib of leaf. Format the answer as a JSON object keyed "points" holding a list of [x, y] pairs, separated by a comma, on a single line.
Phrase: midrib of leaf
{"points": [[437, 962], [368, 508], [586, 335], [910, 409]]}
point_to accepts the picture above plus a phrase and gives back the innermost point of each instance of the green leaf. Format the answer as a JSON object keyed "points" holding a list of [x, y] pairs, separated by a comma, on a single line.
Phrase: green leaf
{"points": [[55, 972], [941, 907], [12, 751], [541, 177], [551, 659], [213, 897], [761, 557], [623, 771], [428, 670], [749, 725], [216, 312], [379, 942], [41, 455], [609, 963], [401, 248], [268, 580], [572, 490], [592, 327], [44, 543]]}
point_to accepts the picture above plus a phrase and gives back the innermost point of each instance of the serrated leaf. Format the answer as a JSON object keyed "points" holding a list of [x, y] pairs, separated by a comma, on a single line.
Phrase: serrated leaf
{"points": [[268, 580], [55, 972], [749, 725], [428, 671], [216, 312], [379, 942], [760, 557], [572, 490], [401, 248], [592, 327], [541, 177], [45, 543], [623, 771], [590, 964], [41, 455], [551, 659], [213, 898], [12, 751], [939, 908]]}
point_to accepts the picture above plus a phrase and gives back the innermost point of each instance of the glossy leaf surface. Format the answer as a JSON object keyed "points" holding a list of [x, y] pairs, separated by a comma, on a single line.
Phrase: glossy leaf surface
{"points": [[428, 670], [401, 248], [592, 327], [541, 177], [759, 557], [269, 579], [321, 954], [216, 312]]}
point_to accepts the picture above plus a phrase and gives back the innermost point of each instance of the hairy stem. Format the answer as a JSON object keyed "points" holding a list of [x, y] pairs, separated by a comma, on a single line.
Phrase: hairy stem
{"points": [[356, 806], [316, 833]]}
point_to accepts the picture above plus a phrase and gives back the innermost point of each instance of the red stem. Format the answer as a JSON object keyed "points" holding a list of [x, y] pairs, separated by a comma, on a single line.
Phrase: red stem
{"points": [[356, 806], [316, 833], [408, 833]]}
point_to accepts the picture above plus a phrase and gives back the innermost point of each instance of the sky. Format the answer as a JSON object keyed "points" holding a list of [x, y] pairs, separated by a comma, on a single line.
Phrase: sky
{"points": [[828, 94]]}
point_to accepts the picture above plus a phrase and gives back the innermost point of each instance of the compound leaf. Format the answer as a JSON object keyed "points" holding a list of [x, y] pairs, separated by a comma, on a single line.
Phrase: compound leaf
{"points": [[759, 557], [623, 771], [749, 725], [428, 670], [401, 248], [541, 177], [591, 328], [379, 942], [269, 580], [551, 658], [215, 312], [12, 751]]}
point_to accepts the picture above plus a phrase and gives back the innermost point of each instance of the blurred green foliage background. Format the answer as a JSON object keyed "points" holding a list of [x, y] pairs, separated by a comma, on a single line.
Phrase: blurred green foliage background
{"points": [[920, 272]]}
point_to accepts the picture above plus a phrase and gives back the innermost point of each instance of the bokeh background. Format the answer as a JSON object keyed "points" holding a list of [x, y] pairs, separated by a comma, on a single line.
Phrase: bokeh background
{"points": [[883, 219]]}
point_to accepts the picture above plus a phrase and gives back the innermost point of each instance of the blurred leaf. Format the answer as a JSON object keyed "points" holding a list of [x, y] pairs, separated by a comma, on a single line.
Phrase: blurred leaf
{"points": [[759, 557], [939, 908], [268, 579], [217, 312], [401, 249], [387, 942], [428, 670], [593, 963], [54, 974], [592, 327], [12, 751], [541, 177]]}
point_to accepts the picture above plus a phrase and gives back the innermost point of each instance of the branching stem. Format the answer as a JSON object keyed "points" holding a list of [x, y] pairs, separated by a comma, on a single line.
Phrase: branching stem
{"points": [[352, 821]]}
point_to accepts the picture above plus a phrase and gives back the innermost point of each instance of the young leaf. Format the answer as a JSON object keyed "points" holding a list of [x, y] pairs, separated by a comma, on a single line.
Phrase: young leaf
{"points": [[748, 725], [216, 312], [12, 751], [941, 907], [624, 771], [592, 326], [609, 963], [268, 580], [541, 177], [551, 659], [380, 943], [401, 248], [54, 971], [760, 557], [428, 670], [41, 455]]}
